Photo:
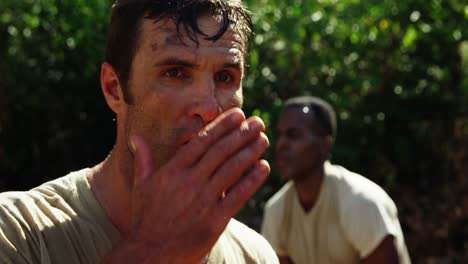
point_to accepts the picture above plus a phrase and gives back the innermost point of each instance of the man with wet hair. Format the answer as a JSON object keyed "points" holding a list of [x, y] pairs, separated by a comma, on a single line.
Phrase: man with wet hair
{"points": [[326, 213], [186, 159]]}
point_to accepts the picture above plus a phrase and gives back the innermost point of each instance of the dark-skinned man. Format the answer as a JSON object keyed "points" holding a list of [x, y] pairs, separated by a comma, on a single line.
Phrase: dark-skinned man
{"points": [[326, 213]]}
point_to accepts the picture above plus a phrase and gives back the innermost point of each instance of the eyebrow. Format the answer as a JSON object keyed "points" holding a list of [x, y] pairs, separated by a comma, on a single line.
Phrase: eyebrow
{"points": [[175, 61], [171, 61], [233, 65]]}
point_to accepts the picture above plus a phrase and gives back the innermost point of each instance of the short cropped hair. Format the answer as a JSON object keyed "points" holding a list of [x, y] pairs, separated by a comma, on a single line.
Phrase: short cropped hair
{"points": [[323, 111], [127, 16]]}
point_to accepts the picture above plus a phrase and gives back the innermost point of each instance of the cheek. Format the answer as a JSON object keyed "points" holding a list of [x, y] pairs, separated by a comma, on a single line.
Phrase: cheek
{"points": [[305, 150], [163, 101], [140, 120], [230, 98], [151, 110], [239, 97]]}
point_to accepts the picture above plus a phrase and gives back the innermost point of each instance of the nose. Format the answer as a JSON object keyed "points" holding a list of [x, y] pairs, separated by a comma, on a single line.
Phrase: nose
{"points": [[206, 105]]}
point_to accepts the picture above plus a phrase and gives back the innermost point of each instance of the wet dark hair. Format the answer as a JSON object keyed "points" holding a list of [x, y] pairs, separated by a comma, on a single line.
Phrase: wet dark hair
{"points": [[127, 17], [323, 111]]}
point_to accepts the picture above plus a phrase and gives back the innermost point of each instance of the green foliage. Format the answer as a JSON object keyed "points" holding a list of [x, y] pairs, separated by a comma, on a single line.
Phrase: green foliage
{"points": [[393, 71], [51, 107]]}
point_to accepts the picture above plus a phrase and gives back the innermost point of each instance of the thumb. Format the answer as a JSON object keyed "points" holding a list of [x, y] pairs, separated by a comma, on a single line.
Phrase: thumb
{"points": [[143, 160]]}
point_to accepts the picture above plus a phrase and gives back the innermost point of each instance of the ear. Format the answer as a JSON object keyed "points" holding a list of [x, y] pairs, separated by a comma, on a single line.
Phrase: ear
{"points": [[111, 88]]}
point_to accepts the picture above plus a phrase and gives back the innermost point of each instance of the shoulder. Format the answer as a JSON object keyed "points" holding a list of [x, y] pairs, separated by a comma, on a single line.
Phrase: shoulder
{"points": [[11, 206], [245, 236], [355, 190], [274, 209], [35, 207], [279, 198], [14, 206], [249, 243], [367, 214], [17, 227], [33, 221], [64, 186]]}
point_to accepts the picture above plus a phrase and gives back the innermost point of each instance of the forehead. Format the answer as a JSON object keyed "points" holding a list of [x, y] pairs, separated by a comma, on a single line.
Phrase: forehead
{"points": [[296, 117], [164, 36]]}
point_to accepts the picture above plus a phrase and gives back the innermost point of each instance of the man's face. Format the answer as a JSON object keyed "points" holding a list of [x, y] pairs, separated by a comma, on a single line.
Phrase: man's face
{"points": [[176, 88], [299, 148]]}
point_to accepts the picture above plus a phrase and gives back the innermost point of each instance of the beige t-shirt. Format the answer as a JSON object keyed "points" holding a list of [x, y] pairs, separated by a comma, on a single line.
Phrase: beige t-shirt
{"points": [[62, 222], [349, 220]]}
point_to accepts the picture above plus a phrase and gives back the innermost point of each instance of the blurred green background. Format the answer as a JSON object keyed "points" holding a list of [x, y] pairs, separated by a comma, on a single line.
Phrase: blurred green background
{"points": [[395, 71]]}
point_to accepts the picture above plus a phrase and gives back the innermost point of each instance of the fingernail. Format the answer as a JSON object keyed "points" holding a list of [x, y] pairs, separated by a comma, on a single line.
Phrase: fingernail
{"points": [[237, 116], [256, 125]]}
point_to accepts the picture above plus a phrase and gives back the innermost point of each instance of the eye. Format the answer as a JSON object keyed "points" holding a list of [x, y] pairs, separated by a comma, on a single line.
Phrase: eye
{"points": [[224, 76], [174, 73]]}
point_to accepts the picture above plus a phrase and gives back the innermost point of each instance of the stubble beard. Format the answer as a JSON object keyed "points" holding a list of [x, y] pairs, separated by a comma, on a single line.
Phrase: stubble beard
{"points": [[161, 144]]}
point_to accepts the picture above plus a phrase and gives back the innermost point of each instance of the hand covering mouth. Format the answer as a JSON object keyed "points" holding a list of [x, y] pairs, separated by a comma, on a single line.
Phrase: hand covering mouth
{"points": [[186, 138], [188, 135]]}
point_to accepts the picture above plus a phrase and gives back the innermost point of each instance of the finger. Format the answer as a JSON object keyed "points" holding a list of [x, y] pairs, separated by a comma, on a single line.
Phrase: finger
{"points": [[232, 169], [144, 165], [191, 153], [243, 189], [229, 145], [238, 165]]}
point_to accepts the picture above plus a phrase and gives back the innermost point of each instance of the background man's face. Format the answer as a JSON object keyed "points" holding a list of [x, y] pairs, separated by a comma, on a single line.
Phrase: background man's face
{"points": [[298, 145], [176, 88]]}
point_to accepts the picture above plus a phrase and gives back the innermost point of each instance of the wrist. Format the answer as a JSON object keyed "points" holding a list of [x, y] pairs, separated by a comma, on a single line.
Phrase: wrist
{"points": [[134, 252]]}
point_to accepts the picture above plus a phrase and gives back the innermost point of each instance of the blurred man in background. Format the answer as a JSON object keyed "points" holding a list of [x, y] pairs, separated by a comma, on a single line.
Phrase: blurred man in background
{"points": [[325, 213]]}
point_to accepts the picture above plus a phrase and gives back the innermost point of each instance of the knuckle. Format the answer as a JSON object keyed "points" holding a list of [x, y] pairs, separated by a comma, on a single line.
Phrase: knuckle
{"points": [[205, 137], [263, 141], [257, 123]]}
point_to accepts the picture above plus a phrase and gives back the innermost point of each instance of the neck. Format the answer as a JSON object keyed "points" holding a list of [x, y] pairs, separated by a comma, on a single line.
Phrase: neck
{"points": [[308, 188], [111, 184]]}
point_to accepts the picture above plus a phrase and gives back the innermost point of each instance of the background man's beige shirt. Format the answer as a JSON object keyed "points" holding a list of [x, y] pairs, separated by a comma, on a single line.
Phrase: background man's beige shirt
{"points": [[62, 222], [350, 219]]}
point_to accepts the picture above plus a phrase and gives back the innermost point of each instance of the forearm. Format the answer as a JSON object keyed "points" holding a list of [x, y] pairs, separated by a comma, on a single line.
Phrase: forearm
{"points": [[285, 260], [385, 253]]}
